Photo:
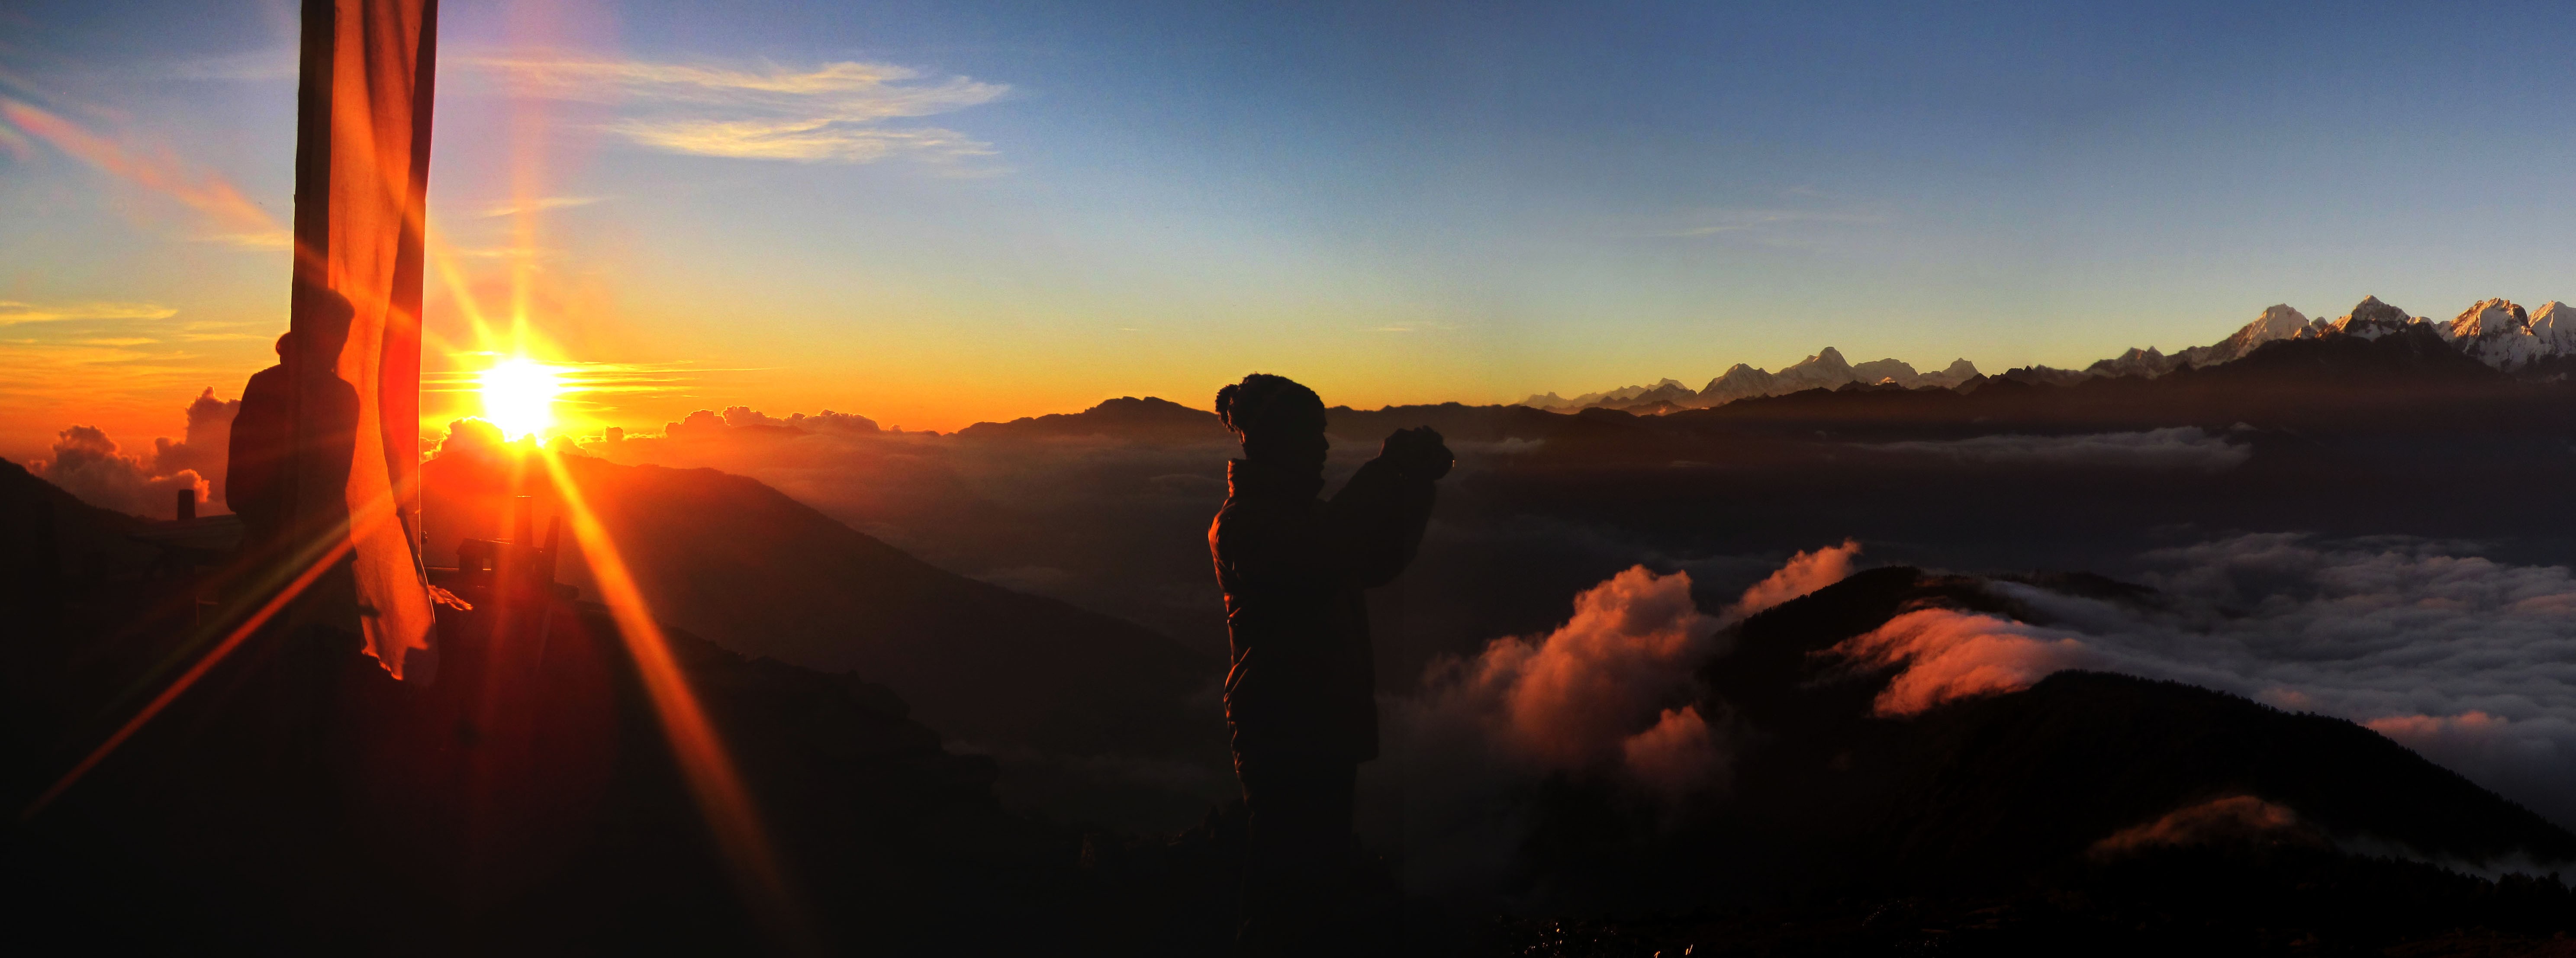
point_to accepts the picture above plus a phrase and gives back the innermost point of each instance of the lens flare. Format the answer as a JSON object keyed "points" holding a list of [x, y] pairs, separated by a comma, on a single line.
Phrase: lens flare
{"points": [[723, 800], [519, 396]]}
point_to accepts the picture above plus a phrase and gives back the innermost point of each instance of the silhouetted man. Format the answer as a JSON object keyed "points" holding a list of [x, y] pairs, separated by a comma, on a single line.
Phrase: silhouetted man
{"points": [[1301, 696], [295, 433], [256, 466]]}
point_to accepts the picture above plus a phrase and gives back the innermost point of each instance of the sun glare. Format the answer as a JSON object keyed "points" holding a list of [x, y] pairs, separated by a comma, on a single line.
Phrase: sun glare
{"points": [[519, 396]]}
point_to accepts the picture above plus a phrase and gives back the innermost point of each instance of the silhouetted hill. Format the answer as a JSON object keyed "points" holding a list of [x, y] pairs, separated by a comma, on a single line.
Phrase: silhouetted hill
{"points": [[2287, 901], [1990, 794], [1126, 416], [87, 535], [2021, 779], [2030, 779], [1031, 679], [2013, 823]]}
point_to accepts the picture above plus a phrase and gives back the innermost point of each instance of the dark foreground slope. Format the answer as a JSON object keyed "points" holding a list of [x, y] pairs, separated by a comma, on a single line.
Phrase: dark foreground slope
{"points": [[1095, 716], [297, 800], [1996, 786]]}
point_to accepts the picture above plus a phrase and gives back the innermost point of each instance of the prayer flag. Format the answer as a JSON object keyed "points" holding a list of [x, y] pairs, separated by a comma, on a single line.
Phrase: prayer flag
{"points": [[361, 183]]}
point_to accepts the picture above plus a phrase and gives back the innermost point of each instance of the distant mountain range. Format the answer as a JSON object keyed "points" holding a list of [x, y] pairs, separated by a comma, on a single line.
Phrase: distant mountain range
{"points": [[2496, 332]]}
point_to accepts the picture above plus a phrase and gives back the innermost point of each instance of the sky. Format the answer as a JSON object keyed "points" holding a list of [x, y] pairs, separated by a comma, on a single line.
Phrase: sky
{"points": [[939, 213]]}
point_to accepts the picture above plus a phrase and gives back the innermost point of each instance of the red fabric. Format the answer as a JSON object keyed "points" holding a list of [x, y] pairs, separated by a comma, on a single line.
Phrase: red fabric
{"points": [[361, 181]]}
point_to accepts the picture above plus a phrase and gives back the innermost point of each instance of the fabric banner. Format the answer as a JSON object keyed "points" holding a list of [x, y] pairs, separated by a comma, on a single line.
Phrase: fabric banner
{"points": [[361, 183]]}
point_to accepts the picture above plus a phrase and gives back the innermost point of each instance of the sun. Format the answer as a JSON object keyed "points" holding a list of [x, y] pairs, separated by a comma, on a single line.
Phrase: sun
{"points": [[519, 396]]}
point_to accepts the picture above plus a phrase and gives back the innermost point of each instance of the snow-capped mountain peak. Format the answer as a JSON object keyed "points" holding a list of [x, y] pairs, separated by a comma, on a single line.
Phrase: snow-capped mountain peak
{"points": [[2278, 321], [2371, 319], [1668, 390], [2554, 324], [2490, 317], [2498, 333]]}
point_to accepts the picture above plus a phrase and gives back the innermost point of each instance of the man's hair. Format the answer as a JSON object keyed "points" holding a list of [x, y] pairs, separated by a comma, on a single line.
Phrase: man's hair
{"points": [[1262, 401]]}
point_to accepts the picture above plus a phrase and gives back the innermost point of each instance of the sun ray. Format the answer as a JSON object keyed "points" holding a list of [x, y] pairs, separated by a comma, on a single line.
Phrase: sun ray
{"points": [[709, 768]]}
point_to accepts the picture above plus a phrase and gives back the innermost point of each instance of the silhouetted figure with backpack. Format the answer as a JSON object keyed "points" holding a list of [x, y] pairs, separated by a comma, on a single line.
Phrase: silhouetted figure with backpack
{"points": [[1300, 698]]}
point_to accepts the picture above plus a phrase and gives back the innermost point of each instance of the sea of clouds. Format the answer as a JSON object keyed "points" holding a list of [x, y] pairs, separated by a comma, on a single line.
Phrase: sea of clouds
{"points": [[2179, 447], [2468, 661]]}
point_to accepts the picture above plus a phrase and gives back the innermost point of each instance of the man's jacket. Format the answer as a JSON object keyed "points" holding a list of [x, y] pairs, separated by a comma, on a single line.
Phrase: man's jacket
{"points": [[1292, 566]]}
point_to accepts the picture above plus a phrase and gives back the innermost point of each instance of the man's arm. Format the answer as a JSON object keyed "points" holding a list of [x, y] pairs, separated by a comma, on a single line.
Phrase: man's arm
{"points": [[1375, 524]]}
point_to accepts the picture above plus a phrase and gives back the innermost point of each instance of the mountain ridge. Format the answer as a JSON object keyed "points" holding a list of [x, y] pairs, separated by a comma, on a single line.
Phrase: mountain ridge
{"points": [[2496, 332]]}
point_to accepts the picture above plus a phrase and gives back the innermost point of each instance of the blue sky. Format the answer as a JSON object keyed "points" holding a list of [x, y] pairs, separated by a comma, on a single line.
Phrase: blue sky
{"points": [[1396, 202]]}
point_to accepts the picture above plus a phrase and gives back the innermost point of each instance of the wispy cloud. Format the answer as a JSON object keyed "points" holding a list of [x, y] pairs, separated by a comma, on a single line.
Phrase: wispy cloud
{"points": [[238, 221], [831, 113], [584, 378], [538, 205], [14, 313], [804, 140], [260, 240]]}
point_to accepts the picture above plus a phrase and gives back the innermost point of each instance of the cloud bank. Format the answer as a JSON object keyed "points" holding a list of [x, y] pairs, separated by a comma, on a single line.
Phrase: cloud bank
{"points": [[15, 313], [1612, 695], [835, 112], [88, 464], [2232, 820], [1805, 572], [2181, 447], [1609, 694], [1611, 689], [1944, 655]]}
